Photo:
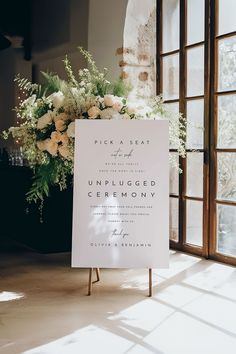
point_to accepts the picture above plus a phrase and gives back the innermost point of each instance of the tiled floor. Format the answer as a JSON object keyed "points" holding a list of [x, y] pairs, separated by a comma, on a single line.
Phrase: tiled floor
{"points": [[44, 308]]}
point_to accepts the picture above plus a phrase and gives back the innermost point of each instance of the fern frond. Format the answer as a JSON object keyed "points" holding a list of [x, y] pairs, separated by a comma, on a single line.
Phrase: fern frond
{"points": [[52, 83], [26, 85]]}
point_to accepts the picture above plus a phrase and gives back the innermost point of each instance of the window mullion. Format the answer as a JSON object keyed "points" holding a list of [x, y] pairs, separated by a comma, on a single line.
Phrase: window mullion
{"points": [[182, 108], [212, 130]]}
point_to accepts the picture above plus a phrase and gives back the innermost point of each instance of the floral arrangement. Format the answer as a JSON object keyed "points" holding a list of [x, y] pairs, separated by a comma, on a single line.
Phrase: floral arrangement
{"points": [[46, 127]]}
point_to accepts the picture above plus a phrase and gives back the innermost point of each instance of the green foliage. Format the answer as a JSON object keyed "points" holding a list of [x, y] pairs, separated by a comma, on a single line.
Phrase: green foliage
{"points": [[69, 71], [41, 109], [52, 83], [45, 133], [120, 88], [28, 86], [101, 87], [90, 60], [41, 183], [54, 173]]}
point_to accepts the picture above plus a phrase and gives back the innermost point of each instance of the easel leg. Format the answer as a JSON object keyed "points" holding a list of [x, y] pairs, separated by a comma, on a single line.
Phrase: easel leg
{"points": [[98, 274], [150, 282], [90, 281]]}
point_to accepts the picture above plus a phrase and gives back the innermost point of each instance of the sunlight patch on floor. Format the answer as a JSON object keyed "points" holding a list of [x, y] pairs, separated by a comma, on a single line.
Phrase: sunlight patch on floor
{"points": [[88, 340], [10, 296]]}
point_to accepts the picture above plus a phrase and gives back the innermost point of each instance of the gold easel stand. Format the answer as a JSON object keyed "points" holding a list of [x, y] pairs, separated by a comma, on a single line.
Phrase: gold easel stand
{"points": [[90, 282], [90, 279]]}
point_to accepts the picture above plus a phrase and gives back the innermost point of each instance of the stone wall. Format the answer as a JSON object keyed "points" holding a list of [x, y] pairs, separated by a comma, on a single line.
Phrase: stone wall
{"points": [[139, 47]]}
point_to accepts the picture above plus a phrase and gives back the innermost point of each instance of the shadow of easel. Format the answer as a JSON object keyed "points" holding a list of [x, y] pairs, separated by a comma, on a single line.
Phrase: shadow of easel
{"points": [[91, 282]]}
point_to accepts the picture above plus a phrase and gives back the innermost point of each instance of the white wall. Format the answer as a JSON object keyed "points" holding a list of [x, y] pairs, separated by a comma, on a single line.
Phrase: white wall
{"points": [[105, 32], [70, 31]]}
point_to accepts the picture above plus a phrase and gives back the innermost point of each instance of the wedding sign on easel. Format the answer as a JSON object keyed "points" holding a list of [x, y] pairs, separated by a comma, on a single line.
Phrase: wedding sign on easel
{"points": [[121, 206]]}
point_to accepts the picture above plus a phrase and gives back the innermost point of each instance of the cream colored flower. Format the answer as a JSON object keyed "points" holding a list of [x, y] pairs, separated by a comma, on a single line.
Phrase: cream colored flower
{"points": [[93, 112], [51, 147], [64, 138], [117, 106], [117, 116], [60, 125], [71, 130], [109, 100], [57, 99], [61, 116], [108, 113], [45, 120], [41, 145], [132, 109], [65, 152], [56, 136]]}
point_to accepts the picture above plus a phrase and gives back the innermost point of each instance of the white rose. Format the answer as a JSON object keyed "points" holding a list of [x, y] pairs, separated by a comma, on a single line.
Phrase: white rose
{"points": [[56, 136], [132, 109], [51, 146], [60, 125], [117, 116], [41, 145], [94, 112], [108, 113], [57, 99], [61, 116], [117, 106], [64, 138], [71, 130], [45, 120], [65, 152], [109, 100]]}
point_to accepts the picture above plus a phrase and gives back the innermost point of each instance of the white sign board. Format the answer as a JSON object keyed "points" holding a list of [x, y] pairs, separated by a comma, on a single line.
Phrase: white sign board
{"points": [[121, 206]]}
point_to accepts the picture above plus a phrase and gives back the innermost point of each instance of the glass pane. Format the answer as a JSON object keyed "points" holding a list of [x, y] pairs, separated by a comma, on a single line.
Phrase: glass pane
{"points": [[195, 21], [195, 116], [227, 176], [173, 107], [194, 222], [171, 77], [194, 174], [195, 71], [227, 11], [174, 174], [227, 121], [174, 219], [227, 64], [226, 229], [170, 25]]}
